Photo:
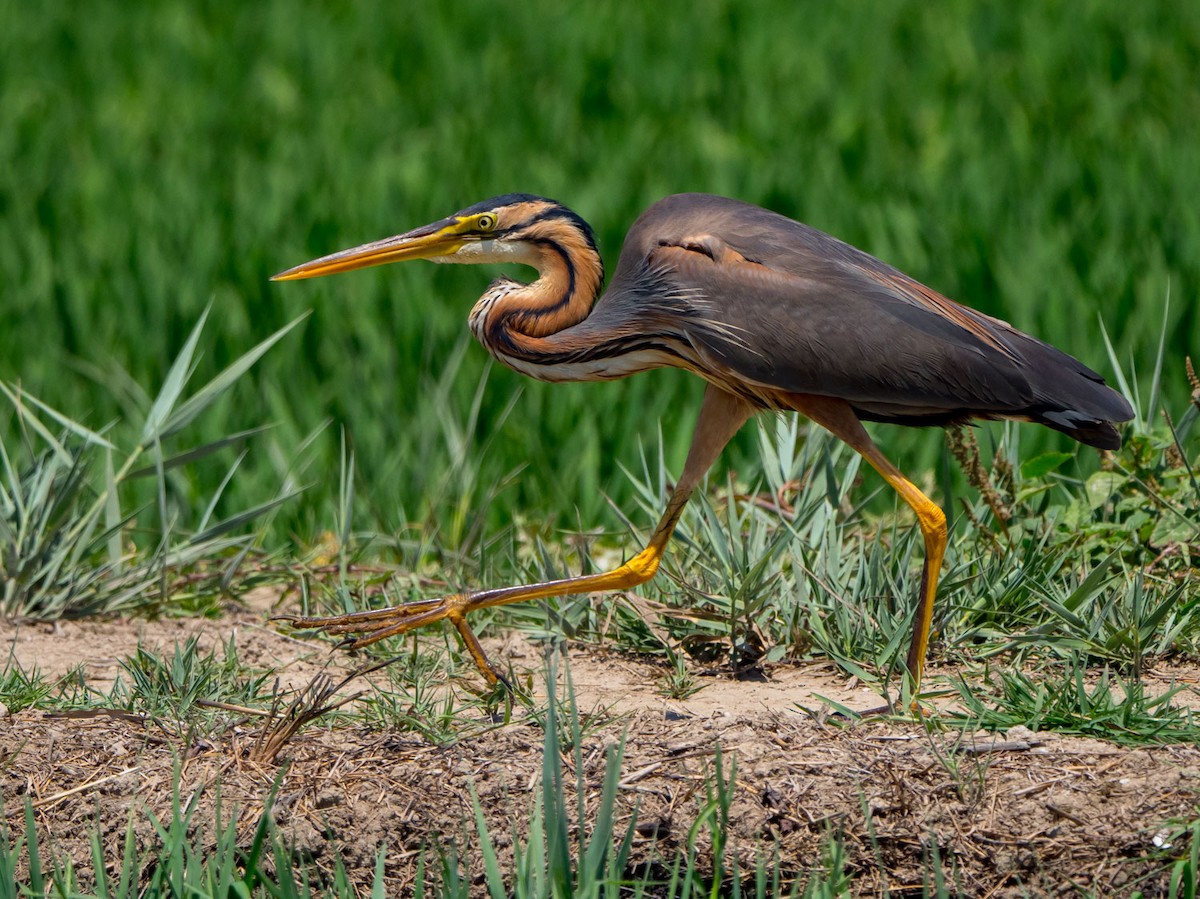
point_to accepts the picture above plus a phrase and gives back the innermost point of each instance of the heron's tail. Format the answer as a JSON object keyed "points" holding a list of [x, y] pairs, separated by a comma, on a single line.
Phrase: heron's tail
{"points": [[1070, 397]]}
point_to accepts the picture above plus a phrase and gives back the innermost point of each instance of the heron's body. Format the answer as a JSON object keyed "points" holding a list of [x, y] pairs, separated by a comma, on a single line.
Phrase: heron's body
{"points": [[772, 314], [723, 288]]}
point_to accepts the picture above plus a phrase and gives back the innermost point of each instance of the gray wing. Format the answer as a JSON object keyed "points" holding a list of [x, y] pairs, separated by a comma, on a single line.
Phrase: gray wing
{"points": [[791, 308]]}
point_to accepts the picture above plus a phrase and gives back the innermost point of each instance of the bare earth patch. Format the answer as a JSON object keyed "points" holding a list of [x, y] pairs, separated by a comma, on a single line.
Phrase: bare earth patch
{"points": [[1020, 814]]}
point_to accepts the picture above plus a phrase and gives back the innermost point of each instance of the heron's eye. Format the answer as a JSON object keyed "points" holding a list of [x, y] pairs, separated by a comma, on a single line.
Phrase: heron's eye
{"points": [[486, 222]]}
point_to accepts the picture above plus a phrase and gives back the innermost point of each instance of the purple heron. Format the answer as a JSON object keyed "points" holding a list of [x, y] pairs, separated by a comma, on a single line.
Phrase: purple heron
{"points": [[772, 314]]}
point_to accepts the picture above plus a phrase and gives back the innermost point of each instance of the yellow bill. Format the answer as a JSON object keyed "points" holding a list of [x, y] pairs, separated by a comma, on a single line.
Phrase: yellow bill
{"points": [[444, 238]]}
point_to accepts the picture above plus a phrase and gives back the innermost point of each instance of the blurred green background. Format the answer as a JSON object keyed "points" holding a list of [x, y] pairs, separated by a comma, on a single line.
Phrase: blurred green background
{"points": [[1038, 161]]}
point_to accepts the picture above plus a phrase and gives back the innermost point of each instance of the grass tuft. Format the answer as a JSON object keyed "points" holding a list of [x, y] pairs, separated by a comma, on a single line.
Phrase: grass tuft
{"points": [[1074, 701], [77, 535]]}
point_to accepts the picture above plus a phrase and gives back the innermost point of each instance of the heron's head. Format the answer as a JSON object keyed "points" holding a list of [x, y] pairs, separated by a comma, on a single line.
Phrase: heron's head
{"points": [[511, 228]]}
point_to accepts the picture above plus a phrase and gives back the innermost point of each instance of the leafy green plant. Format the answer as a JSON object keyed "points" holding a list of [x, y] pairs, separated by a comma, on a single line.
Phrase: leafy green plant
{"points": [[1065, 700], [22, 689], [186, 688], [64, 528]]}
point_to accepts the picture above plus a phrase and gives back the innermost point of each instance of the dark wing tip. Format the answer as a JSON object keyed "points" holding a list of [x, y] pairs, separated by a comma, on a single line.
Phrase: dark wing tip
{"points": [[1101, 435], [1098, 433]]}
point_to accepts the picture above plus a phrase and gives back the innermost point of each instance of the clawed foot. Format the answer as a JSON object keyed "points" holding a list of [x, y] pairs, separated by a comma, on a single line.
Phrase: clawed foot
{"points": [[364, 628]]}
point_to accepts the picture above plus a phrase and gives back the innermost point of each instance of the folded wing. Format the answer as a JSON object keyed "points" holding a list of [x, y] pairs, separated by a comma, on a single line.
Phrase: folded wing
{"points": [[792, 309]]}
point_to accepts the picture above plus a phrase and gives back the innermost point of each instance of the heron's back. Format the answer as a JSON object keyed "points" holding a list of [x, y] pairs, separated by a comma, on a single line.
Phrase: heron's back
{"points": [[771, 303]]}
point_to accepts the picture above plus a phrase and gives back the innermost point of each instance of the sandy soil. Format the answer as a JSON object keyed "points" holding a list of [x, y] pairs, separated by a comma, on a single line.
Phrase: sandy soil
{"points": [[1015, 814]]}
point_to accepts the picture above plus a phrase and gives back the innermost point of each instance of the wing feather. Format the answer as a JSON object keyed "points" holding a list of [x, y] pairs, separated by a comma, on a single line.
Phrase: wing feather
{"points": [[841, 332], [768, 301]]}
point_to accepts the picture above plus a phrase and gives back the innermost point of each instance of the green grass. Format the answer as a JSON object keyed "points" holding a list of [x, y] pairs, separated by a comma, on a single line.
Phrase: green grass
{"points": [[189, 857], [1063, 701], [160, 157], [88, 526]]}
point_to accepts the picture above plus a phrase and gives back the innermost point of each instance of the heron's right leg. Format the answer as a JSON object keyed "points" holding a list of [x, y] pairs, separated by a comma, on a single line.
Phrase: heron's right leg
{"points": [[838, 418], [721, 415]]}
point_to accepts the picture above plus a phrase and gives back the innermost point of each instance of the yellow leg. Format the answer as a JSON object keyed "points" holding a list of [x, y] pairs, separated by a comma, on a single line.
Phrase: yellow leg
{"points": [[839, 419], [721, 416]]}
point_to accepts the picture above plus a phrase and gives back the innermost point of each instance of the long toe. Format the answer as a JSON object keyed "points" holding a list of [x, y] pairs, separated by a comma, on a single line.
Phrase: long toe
{"points": [[368, 620]]}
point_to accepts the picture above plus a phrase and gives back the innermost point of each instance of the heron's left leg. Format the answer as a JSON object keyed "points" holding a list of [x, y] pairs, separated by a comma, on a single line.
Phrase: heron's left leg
{"points": [[838, 418], [721, 415]]}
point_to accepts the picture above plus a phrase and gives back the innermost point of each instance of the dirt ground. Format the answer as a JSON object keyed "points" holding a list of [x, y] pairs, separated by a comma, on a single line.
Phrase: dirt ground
{"points": [[1008, 815]]}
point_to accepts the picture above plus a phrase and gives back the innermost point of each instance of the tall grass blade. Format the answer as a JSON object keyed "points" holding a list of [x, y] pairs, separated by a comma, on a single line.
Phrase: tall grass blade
{"points": [[179, 459], [112, 515], [37, 883], [487, 848], [1119, 372], [1156, 381], [65, 422], [28, 419], [173, 384], [204, 397], [241, 519]]}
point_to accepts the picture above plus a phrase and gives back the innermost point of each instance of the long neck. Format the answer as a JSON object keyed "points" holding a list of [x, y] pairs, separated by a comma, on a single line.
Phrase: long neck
{"points": [[511, 318]]}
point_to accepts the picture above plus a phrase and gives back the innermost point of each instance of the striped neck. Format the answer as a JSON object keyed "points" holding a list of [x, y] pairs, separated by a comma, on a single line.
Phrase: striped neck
{"points": [[560, 246]]}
